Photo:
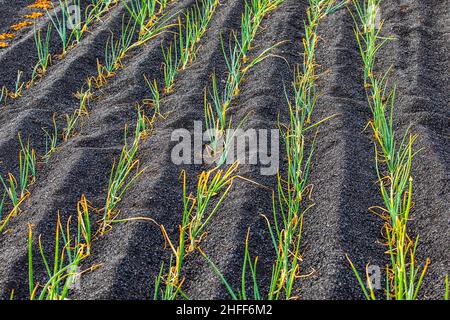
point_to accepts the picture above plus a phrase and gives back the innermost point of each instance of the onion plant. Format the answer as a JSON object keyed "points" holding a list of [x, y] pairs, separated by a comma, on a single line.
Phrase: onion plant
{"points": [[102, 6], [143, 12], [71, 122], [125, 171], [155, 25], [69, 251], [92, 12], [393, 165], [17, 189], [2, 205], [76, 24], [18, 87], [155, 100], [27, 165], [112, 55], [115, 49], [84, 97], [170, 64], [43, 51], [70, 30], [51, 140], [59, 21]]}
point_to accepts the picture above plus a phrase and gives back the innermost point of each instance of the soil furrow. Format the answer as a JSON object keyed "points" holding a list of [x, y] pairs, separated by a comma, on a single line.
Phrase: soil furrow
{"points": [[343, 172], [422, 54]]}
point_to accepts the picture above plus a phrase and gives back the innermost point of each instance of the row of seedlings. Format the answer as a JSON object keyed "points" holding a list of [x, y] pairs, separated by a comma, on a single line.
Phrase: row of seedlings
{"points": [[213, 185], [393, 161]]}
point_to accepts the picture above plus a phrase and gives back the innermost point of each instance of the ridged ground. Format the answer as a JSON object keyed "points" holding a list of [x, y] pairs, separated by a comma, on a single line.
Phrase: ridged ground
{"points": [[343, 172]]}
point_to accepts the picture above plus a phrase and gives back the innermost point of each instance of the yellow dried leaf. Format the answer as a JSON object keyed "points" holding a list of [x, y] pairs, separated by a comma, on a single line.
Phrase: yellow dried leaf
{"points": [[21, 25], [41, 4], [5, 36], [34, 15]]}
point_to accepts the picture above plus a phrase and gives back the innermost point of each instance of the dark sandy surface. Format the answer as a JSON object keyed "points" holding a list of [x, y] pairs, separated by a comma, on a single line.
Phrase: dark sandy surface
{"points": [[343, 172]]}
